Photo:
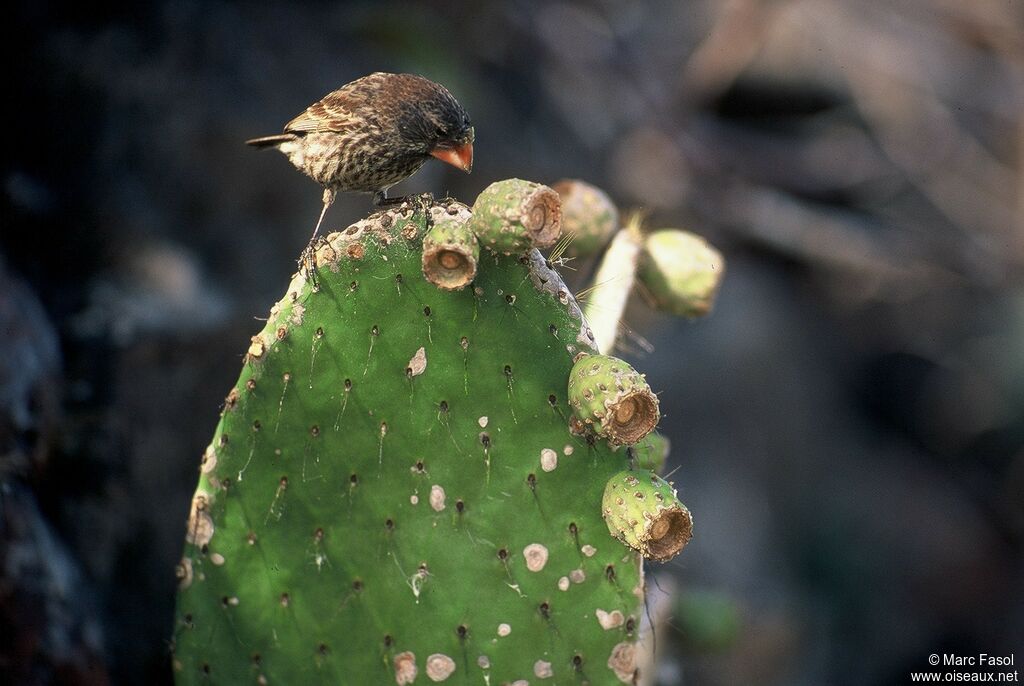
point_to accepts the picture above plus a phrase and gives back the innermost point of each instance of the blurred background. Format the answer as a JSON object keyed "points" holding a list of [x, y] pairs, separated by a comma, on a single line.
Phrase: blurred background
{"points": [[848, 425]]}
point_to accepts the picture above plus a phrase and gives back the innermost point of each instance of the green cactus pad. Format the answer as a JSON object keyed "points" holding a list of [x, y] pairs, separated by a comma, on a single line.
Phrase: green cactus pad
{"points": [[450, 250], [641, 509], [681, 271], [612, 399], [589, 216], [392, 494], [512, 216]]}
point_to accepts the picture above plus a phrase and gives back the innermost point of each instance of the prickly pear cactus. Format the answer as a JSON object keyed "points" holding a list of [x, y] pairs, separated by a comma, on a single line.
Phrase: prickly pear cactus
{"points": [[393, 493]]}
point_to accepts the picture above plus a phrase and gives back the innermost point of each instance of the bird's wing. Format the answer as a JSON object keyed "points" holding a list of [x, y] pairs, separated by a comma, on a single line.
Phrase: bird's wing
{"points": [[334, 114]]}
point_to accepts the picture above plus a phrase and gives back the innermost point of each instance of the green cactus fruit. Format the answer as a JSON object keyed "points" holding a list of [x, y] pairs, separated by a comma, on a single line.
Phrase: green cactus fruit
{"points": [[589, 216], [611, 399], [393, 495], [512, 216], [641, 510], [681, 272], [651, 452], [450, 250]]}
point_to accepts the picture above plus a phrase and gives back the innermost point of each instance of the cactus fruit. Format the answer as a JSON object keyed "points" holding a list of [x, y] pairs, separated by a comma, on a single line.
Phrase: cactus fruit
{"points": [[393, 494], [513, 215], [642, 511], [589, 217], [450, 252], [612, 399], [681, 272]]}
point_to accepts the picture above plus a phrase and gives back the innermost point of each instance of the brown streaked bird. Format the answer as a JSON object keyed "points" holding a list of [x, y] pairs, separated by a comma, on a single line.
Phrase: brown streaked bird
{"points": [[374, 132]]}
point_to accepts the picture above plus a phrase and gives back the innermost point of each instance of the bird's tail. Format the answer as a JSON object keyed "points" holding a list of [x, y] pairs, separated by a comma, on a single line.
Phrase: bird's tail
{"points": [[271, 141]]}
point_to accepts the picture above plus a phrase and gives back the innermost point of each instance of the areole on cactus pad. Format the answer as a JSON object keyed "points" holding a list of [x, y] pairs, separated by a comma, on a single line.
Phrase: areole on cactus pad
{"points": [[393, 493]]}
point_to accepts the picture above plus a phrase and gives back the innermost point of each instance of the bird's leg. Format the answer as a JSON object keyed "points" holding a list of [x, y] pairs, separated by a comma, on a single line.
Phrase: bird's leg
{"points": [[307, 261], [328, 201]]}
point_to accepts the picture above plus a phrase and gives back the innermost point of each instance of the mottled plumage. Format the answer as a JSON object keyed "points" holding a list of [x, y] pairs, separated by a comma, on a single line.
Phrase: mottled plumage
{"points": [[374, 132]]}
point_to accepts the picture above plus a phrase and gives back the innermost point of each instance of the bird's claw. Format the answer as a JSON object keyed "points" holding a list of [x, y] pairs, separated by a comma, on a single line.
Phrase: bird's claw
{"points": [[307, 265]]}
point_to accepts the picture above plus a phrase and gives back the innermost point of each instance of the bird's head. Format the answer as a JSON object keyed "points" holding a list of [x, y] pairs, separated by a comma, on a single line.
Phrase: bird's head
{"points": [[455, 149], [437, 125]]}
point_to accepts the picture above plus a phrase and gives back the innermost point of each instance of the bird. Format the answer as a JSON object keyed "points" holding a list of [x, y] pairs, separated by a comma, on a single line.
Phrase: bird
{"points": [[374, 132]]}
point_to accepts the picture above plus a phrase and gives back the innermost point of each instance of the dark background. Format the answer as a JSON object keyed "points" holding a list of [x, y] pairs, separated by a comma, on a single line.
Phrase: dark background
{"points": [[848, 424]]}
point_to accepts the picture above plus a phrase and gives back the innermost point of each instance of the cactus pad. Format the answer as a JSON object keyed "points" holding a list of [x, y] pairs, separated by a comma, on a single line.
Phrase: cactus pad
{"points": [[393, 495]]}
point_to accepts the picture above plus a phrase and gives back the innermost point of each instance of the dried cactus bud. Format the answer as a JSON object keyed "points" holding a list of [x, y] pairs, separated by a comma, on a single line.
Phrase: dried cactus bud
{"points": [[641, 510], [588, 215], [450, 251], [512, 216], [612, 398], [681, 271], [651, 452]]}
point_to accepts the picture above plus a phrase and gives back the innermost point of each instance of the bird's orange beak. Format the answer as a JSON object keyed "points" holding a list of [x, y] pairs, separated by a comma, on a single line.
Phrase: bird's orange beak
{"points": [[460, 156]]}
